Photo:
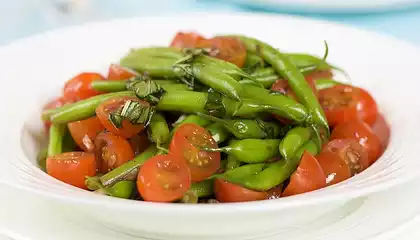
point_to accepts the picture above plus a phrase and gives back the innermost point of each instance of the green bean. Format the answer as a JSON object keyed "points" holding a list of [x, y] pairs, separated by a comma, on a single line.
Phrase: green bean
{"points": [[80, 110], [218, 132], [192, 118], [215, 78], [156, 52], [232, 163], [251, 150], [263, 72], [182, 101], [294, 140], [309, 146], [276, 172], [285, 107], [129, 170], [158, 129], [55, 141], [42, 159], [304, 61], [285, 67], [69, 145], [118, 86], [154, 67], [253, 60], [223, 66], [109, 86], [247, 128], [202, 189], [237, 174], [325, 83], [122, 189]]}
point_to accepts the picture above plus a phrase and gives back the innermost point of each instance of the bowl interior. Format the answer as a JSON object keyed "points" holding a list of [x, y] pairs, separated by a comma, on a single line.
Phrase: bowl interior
{"points": [[50, 59]]}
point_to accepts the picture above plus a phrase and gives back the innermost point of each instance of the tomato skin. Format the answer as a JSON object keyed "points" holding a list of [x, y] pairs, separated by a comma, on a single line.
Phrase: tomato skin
{"points": [[186, 40], [85, 131], [163, 178], [111, 151], [72, 167], [128, 129], [344, 103], [228, 193], [275, 193], [117, 72], [308, 177], [53, 104], [139, 143], [381, 129], [79, 87], [202, 164], [225, 48], [320, 74], [335, 168], [361, 132]]}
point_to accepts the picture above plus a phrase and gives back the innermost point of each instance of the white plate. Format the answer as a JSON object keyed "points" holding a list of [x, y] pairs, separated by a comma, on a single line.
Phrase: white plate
{"points": [[386, 216], [38, 66], [343, 6]]}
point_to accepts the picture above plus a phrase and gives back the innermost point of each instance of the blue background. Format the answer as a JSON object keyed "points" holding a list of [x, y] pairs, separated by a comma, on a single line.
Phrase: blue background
{"points": [[19, 18]]}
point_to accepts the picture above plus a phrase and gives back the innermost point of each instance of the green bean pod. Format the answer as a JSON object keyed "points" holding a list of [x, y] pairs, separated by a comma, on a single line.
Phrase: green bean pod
{"points": [[294, 140], [285, 107], [120, 85], [251, 150], [156, 52], [223, 66], [80, 110], [236, 175], [276, 172], [253, 60], [158, 129], [192, 118], [247, 128], [55, 140], [218, 132], [286, 68], [232, 163], [202, 189], [152, 66], [42, 159], [129, 170], [263, 72], [325, 83], [122, 189]]}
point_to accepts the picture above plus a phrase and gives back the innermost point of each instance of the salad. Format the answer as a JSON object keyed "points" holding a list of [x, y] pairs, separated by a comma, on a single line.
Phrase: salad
{"points": [[207, 120]]}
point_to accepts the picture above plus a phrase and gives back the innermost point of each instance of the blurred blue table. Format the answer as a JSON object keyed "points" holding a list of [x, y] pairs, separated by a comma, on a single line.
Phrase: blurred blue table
{"points": [[20, 18]]}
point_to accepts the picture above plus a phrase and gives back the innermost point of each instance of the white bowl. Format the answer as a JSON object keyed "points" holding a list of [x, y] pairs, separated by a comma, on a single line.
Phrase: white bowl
{"points": [[35, 69]]}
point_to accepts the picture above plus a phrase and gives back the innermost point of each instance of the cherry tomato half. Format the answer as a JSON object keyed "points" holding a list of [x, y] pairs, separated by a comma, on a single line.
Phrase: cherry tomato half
{"points": [[308, 177], [55, 103], [381, 129], [72, 167], [229, 192], [361, 132], [342, 158], [139, 143], [187, 138], [84, 132], [344, 103], [79, 87], [186, 40], [225, 48], [114, 104], [111, 151], [116, 72], [163, 178]]}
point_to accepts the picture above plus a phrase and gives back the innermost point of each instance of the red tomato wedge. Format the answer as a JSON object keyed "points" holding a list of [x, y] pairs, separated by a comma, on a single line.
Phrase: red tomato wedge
{"points": [[185, 146], [139, 143], [343, 103], [381, 129], [128, 129], [116, 72], [228, 192], [111, 151], [186, 40], [341, 159], [72, 167], [85, 131], [308, 177], [364, 135], [225, 48], [163, 178], [79, 87]]}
